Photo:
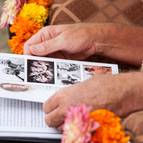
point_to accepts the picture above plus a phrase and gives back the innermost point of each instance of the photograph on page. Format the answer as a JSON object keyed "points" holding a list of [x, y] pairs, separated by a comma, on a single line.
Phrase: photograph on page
{"points": [[91, 70], [68, 73], [40, 71], [12, 69]]}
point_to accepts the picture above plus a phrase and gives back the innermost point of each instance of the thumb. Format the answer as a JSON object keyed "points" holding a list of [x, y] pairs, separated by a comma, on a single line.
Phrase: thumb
{"points": [[48, 47]]}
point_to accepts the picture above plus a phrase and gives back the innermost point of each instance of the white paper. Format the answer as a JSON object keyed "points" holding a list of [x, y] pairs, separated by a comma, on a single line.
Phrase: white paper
{"points": [[36, 93], [42, 77], [24, 119]]}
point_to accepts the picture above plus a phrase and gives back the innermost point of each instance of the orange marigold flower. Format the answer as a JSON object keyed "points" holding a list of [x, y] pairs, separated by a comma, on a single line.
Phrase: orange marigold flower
{"points": [[23, 30], [110, 130], [45, 3]]}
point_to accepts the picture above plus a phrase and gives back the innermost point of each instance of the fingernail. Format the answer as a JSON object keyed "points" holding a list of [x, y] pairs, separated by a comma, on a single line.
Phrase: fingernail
{"points": [[26, 50]]}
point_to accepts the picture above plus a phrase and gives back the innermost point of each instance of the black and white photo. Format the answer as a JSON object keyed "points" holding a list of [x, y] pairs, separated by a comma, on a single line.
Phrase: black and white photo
{"points": [[12, 70], [40, 71], [68, 73]]}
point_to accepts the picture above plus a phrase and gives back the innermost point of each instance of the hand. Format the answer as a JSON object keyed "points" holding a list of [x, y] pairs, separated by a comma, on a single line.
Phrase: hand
{"points": [[79, 41], [70, 41], [104, 91]]}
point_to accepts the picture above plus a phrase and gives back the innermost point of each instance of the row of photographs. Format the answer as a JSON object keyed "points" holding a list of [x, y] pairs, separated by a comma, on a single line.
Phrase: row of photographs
{"points": [[47, 72]]}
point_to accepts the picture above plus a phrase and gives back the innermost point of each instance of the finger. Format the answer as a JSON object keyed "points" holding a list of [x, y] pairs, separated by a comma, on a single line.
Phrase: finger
{"points": [[61, 127], [51, 104], [55, 118], [40, 36], [44, 34], [48, 47]]}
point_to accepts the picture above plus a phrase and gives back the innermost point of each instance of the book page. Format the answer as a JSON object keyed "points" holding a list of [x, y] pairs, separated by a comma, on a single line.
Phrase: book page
{"points": [[36, 79], [24, 119]]}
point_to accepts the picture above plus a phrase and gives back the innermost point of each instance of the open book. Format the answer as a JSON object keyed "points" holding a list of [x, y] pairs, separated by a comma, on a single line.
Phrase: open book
{"points": [[27, 81]]}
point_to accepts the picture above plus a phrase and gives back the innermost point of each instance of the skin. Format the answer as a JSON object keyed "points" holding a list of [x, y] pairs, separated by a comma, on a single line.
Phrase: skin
{"points": [[79, 41], [119, 93]]}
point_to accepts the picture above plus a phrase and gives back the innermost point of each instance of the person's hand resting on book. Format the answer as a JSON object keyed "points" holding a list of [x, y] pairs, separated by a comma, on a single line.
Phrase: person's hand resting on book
{"points": [[59, 40], [120, 93], [80, 41]]}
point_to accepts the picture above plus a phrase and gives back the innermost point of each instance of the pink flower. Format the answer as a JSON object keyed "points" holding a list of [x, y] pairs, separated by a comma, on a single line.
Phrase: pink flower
{"points": [[10, 9], [78, 125]]}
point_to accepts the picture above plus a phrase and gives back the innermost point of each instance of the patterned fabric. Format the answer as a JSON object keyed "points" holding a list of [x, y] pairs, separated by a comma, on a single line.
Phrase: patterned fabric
{"points": [[119, 11]]}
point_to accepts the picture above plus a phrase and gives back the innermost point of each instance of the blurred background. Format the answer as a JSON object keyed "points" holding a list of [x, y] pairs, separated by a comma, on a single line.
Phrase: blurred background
{"points": [[3, 35]]}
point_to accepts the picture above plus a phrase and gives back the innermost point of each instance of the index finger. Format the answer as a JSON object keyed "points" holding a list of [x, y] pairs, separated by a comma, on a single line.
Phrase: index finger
{"points": [[39, 37], [47, 33], [51, 104]]}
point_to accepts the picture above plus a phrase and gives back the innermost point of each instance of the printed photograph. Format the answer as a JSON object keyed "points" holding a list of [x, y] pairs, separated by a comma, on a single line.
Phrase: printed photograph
{"points": [[40, 72], [89, 71], [68, 73], [12, 70]]}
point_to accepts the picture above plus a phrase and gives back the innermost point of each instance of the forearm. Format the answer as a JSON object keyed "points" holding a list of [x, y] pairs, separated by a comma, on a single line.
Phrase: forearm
{"points": [[132, 93], [120, 42]]}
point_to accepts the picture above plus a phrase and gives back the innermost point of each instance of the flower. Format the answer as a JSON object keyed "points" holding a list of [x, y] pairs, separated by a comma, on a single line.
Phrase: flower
{"points": [[78, 126], [110, 130], [26, 17], [34, 12], [10, 9], [23, 30], [45, 3], [100, 126]]}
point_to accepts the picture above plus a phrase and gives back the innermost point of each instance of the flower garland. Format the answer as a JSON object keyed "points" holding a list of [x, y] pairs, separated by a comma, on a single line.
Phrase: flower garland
{"points": [[100, 126], [26, 17]]}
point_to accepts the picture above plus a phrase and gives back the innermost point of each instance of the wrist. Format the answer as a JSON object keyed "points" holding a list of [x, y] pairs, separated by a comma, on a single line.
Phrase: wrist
{"points": [[104, 37], [110, 90], [116, 93], [130, 94]]}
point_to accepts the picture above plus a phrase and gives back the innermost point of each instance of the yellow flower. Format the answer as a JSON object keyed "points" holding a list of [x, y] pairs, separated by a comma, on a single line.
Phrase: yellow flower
{"points": [[34, 12]]}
